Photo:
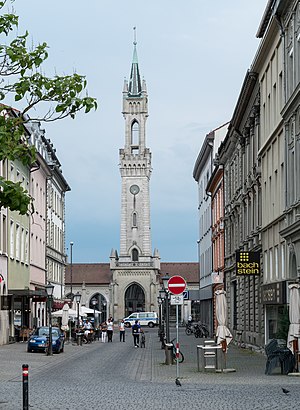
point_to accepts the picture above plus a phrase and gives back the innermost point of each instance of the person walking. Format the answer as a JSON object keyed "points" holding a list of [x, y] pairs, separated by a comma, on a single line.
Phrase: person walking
{"points": [[136, 333], [122, 330], [110, 329], [103, 328]]}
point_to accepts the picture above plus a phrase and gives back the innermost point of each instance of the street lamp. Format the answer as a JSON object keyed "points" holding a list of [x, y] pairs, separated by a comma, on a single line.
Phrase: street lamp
{"points": [[49, 290], [160, 331], [71, 266], [77, 298], [103, 314], [94, 303], [165, 280]]}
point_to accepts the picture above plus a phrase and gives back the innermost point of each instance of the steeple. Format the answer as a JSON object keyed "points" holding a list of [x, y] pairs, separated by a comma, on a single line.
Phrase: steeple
{"points": [[135, 87]]}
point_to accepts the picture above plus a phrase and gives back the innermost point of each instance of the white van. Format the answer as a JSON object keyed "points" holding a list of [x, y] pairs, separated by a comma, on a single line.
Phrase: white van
{"points": [[145, 319]]}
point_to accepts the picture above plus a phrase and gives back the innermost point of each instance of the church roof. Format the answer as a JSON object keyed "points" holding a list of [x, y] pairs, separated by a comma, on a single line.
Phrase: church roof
{"points": [[99, 273], [188, 270], [90, 273]]}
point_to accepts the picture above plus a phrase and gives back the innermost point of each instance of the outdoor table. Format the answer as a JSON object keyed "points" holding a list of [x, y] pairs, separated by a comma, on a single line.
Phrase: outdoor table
{"points": [[212, 353]]}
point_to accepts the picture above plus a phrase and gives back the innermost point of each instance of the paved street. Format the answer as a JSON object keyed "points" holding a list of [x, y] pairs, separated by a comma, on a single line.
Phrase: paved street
{"points": [[118, 376]]}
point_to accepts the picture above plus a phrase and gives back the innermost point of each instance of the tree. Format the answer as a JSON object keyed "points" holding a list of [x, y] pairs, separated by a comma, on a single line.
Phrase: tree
{"points": [[21, 76]]}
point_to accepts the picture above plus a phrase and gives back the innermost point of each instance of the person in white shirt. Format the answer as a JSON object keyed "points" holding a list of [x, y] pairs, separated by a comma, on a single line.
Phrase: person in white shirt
{"points": [[122, 330], [110, 329]]}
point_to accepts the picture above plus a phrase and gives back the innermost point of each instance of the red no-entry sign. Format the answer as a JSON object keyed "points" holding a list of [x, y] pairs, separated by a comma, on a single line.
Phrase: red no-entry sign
{"points": [[176, 285]]}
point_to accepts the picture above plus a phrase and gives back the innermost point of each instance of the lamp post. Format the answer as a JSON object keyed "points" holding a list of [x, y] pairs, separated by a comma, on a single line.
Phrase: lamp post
{"points": [[77, 298], [49, 290], [103, 314], [160, 330], [71, 266], [94, 303], [165, 280]]}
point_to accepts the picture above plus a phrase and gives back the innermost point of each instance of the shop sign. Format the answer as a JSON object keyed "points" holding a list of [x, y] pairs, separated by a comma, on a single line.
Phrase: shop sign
{"points": [[247, 263], [5, 302], [273, 294]]}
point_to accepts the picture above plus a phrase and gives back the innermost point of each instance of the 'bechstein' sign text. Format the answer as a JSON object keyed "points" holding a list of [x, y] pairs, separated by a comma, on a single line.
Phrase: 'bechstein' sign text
{"points": [[247, 263]]}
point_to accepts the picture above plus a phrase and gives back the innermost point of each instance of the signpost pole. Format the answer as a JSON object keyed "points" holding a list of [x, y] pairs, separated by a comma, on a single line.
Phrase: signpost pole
{"points": [[177, 285], [177, 344]]}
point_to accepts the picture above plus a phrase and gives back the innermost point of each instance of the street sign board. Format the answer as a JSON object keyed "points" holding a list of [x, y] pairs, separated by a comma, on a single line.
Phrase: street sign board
{"points": [[176, 285], [176, 299], [186, 295]]}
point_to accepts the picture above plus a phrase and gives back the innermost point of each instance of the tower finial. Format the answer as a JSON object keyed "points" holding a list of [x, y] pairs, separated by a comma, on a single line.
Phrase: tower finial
{"points": [[134, 36]]}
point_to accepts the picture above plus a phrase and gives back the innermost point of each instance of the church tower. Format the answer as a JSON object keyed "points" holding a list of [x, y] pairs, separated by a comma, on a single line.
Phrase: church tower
{"points": [[134, 270]]}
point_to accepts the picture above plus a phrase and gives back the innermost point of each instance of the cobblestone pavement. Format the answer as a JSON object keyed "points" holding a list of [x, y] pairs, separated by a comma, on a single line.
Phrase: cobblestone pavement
{"points": [[118, 376]]}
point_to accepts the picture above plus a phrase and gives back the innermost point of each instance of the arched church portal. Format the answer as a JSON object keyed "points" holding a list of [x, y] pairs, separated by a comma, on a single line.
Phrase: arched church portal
{"points": [[101, 305], [134, 299]]}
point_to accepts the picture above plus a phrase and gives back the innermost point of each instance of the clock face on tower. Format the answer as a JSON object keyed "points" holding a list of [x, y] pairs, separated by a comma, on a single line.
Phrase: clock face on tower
{"points": [[134, 189]]}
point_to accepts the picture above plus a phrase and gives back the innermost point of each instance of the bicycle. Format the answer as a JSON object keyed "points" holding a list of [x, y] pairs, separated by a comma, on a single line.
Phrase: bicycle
{"points": [[180, 357]]}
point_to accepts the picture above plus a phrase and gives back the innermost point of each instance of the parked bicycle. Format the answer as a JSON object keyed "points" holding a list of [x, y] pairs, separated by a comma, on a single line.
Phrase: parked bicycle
{"points": [[189, 328], [201, 330], [180, 357]]}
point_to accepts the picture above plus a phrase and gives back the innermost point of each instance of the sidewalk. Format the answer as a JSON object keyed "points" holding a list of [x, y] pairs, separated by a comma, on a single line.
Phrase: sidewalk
{"points": [[244, 361]]}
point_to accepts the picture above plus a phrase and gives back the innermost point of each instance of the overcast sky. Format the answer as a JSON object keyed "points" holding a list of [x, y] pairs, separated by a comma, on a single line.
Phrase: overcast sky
{"points": [[193, 54]]}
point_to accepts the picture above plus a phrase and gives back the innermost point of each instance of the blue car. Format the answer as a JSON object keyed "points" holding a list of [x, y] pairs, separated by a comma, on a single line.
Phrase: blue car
{"points": [[39, 339]]}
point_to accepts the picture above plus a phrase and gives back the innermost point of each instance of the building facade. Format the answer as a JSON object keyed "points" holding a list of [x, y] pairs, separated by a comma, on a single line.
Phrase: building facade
{"points": [[202, 174]]}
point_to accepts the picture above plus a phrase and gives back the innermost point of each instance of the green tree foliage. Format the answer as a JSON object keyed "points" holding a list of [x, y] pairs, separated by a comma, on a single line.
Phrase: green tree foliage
{"points": [[22, 77]]}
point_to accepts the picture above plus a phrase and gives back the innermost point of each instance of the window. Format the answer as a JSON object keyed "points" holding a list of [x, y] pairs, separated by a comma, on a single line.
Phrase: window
{"points": [[18, 240], [134, 219], [135, 133], [135, 255], [12, 240], [26, 246]]}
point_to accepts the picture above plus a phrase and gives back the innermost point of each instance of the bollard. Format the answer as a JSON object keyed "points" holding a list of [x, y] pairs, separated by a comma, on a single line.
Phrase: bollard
{"points": [[79, 339], [169, 353], [25, 386]]}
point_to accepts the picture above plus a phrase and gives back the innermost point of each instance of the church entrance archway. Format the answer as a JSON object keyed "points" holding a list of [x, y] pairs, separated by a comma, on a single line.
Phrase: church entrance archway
{"points": [[134, 299], [101, 305]]}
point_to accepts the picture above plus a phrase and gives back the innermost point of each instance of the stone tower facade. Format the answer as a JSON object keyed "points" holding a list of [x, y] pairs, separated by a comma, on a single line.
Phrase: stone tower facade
{"points": [[135, 271]]}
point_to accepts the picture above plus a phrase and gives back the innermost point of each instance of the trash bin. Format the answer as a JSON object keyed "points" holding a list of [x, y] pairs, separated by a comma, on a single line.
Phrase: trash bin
{"points": [[169, 353]]}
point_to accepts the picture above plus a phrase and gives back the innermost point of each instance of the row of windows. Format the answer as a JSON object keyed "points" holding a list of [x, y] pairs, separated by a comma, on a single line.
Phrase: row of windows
{"points": [[55, 271], [19, 242], [274, 263]]}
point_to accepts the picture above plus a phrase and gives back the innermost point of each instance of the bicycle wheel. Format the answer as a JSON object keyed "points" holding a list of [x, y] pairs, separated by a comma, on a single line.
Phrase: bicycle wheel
{"points": [[188, 331], [181, 357]]}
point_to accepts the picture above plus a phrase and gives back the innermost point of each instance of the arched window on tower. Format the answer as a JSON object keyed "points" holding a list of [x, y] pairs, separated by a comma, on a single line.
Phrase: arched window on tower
{"points": [[135, 255], [135, 137], [134, 219]]}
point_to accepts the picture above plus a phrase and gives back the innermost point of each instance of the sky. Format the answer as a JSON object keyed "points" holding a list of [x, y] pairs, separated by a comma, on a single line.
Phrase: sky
{"points": [[193, 54]]}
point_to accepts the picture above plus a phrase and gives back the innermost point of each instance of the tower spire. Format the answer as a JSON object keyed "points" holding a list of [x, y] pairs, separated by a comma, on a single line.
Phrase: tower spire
{"points": [[135, 87]]}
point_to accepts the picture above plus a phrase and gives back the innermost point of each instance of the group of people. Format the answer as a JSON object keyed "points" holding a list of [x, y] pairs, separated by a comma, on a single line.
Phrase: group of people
{"points": [[107, 331]]}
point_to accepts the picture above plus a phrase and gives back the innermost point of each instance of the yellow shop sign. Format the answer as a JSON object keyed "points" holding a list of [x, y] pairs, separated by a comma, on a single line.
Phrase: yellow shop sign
{"points": [[247, 263]]}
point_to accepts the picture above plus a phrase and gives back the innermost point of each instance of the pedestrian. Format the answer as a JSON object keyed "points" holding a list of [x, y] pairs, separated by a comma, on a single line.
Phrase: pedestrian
{"points": [[136, 333], [103, 328], [122, 330], [110, 329], [143, 339]]}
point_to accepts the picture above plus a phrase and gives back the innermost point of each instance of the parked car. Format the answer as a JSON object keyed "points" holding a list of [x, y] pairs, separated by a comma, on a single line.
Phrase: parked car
{"points": [[39, 339], [145, 319]]}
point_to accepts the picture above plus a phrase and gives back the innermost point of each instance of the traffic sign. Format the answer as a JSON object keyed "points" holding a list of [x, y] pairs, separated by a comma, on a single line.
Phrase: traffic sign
{"points": [[176, 285], [176, 300], [186, 295]]}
